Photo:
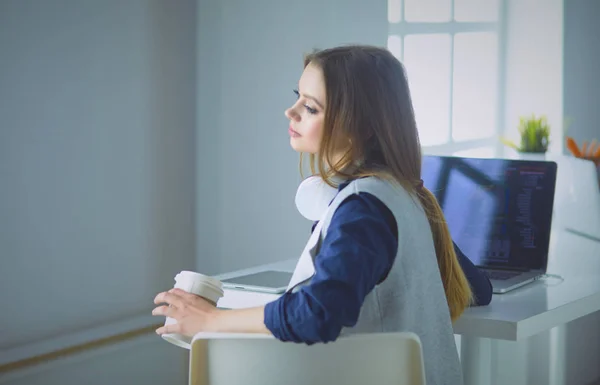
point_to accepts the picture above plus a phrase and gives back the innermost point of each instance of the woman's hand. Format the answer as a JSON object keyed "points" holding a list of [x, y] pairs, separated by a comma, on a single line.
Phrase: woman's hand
{"points": [[193, 313]]}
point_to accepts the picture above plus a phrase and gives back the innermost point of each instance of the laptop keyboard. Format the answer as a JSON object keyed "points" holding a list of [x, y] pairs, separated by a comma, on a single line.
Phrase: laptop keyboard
{"points": [[502, 275]]}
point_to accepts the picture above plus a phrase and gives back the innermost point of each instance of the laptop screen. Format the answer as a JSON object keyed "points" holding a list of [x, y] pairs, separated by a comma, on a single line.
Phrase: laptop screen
{"points": [[499, 211]]}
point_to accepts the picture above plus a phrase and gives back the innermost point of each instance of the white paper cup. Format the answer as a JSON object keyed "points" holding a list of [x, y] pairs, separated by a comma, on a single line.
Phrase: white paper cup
{"points": [[207, 287]]}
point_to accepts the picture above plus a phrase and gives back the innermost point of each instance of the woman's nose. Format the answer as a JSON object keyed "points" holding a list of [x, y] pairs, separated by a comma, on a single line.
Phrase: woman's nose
{"points": [[291, 114]]}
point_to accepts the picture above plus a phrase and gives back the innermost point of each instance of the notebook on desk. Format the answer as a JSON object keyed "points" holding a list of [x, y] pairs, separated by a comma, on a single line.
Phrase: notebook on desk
{"points": [[499, 213]]}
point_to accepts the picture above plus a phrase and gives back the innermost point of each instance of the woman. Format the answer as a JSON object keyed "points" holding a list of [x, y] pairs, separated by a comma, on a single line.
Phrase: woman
{"points": [[383, 259]]}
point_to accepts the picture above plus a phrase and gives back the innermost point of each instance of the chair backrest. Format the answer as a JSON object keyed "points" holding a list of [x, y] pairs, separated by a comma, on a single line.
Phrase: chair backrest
{"points": [[373, 359]]}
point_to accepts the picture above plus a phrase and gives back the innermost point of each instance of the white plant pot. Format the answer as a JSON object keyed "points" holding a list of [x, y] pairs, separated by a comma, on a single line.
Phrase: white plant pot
{"points": [[511, 153], [532, 156]]}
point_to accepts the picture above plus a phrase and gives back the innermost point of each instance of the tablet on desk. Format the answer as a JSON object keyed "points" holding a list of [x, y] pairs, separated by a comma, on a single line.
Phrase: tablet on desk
{"points": [[269, 281]]}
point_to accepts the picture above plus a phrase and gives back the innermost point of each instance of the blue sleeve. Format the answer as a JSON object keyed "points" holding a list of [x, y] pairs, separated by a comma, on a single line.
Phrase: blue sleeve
{"points": [[480, 283], [356, 254]]}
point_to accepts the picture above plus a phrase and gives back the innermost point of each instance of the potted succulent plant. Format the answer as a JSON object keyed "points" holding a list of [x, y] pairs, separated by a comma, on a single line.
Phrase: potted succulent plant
{"points": [[534, 133]]}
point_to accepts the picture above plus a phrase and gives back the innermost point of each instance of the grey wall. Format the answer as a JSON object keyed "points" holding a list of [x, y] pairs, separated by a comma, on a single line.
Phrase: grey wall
{"points": [[97, 131], [251, 63], [144, 360], [208, 118], [581, 68]]}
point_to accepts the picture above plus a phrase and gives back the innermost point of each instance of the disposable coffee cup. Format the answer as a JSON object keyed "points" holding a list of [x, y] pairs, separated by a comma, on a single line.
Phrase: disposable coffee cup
{"points": [[202, 285]]}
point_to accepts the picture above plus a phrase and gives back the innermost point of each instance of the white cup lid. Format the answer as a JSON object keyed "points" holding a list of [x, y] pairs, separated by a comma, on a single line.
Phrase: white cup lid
{"points": [[197, 277]]}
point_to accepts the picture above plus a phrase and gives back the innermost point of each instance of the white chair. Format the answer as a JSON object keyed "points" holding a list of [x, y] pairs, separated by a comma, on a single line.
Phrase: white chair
{"points": [[251, 359]]}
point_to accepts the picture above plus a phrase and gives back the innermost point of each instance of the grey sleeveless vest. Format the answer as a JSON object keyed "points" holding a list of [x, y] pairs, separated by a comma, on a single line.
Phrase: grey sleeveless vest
{"points": [[412, 297]]}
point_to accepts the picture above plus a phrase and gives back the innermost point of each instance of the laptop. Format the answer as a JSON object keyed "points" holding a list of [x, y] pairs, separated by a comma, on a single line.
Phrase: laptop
{"points": [[499, 212]]}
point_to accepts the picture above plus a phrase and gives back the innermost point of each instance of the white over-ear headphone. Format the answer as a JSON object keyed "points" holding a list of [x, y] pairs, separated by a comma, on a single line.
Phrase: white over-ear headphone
{"points": [[313, 197]]}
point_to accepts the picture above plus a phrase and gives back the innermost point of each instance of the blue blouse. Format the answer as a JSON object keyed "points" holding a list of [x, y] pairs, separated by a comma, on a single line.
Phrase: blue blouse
{"points": [[356, 255]]}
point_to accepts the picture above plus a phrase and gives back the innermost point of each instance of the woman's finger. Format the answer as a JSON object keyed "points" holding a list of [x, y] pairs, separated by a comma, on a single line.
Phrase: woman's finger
{"points": [[168, 329], [170, 298], [184, 294], [167, 311]]}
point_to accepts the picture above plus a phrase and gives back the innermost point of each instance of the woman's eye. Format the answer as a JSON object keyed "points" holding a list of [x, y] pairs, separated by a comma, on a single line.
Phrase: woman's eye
{"points": [[310, 110]]}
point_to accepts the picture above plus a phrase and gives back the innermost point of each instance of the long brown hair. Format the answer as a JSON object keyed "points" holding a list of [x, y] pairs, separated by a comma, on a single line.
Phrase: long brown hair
{"points": [[369, 129]]}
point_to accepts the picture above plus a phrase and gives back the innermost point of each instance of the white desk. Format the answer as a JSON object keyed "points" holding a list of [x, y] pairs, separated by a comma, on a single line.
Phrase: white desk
{"points": [[534, 308], [514, 316]]}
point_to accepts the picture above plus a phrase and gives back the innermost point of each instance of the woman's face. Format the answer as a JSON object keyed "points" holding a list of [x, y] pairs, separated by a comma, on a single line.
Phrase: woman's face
{"points": [[307, 114]]}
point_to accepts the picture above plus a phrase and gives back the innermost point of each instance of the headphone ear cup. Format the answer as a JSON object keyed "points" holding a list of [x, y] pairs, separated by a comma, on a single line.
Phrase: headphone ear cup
{"points": [[313, 197]]}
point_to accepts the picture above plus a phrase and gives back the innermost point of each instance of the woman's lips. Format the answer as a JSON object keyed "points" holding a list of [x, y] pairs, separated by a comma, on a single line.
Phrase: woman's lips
{"points": [[293, 133]]}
